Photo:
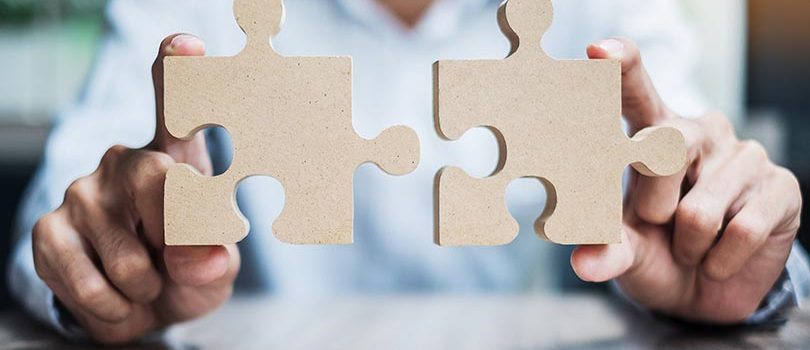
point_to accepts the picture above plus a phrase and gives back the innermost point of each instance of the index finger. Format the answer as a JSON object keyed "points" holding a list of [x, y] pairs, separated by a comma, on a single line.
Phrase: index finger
{"points": [[641, 104], [193, 151], [186, 265]]}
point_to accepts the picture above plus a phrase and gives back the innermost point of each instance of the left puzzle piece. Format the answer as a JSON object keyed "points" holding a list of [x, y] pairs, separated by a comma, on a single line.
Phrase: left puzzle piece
{"points": [[289, 118]]}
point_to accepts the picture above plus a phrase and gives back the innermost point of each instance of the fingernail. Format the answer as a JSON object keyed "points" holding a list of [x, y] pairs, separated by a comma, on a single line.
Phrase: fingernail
{"points": [[180, 41], [613, 47]]}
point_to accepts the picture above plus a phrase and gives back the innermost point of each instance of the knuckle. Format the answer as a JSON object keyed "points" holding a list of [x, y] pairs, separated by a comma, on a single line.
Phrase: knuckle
{"points": [[152, 164], [129, 267], [695, 136], [42, 270], [787, 185], [114, 154], [41, 267], [697, 218], [787, 176], [42, 234], [111, 159], [148, 170], [717, 271], [747, 232], [754, 149], [81, 191], [88, 292], [720, 122], [45, 242]]}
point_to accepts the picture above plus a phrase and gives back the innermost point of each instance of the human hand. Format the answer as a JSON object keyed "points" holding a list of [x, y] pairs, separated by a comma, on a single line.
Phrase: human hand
{"points": [[102, 251], [706, 244]]}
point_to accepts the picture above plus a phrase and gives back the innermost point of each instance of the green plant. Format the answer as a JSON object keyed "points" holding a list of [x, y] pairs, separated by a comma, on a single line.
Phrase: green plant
{"points": [[17, 11]]}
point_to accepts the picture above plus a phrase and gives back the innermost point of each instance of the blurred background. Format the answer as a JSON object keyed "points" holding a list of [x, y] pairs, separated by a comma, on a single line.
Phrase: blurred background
{"points": [[753, 66]]}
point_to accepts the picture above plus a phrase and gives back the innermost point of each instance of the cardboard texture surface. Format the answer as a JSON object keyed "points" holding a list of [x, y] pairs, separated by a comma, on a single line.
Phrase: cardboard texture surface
{"points": [[558, 121], [290, 118]]}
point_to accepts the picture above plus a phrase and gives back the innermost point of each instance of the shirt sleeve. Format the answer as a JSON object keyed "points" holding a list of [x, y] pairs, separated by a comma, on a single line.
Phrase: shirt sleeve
{"points": [[116, 107]]}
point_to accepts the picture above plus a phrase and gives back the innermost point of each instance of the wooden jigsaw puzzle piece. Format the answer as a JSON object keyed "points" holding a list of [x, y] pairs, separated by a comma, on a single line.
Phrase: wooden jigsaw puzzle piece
{"points": [[657, 151], [319, 205], [199, 209], [558, 121], [289, 118], [588, 208], [191, 203]]}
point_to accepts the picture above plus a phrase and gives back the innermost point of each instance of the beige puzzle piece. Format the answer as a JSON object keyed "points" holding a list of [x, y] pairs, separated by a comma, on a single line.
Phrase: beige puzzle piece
{"points": [[290, 118], [558, 121]]}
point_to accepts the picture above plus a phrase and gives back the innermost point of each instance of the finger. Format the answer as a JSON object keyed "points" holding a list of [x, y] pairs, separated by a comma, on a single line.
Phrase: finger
{"points": [[641, 104], [83, 284], [700, 215], [191, 265], [196, 265], [110, 227], [603, 262], [191, 151], [185, 302], [141, 321], [655, 199], [125, 260], [146, 174], [762, 215]]}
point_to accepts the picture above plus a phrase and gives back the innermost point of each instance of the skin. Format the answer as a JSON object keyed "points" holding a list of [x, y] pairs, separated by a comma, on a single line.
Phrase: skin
{"points": [[102, 251], [409, 12]]}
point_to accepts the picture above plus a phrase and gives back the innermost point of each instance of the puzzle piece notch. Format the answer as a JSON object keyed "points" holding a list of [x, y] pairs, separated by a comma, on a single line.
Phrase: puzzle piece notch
{"points": [[289, 118], [560, 121]]}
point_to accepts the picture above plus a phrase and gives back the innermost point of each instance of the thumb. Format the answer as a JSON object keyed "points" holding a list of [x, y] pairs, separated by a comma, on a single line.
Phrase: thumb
{"points": [[641, 104], [194, 150], [603, 262]]}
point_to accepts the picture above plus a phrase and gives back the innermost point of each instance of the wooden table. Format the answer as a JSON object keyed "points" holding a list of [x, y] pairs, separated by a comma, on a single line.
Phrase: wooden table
{"points": [[432, 322]]}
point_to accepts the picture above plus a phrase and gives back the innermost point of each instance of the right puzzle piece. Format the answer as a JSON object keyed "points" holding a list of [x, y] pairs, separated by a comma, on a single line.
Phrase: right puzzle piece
{"points": [[558, 121]]}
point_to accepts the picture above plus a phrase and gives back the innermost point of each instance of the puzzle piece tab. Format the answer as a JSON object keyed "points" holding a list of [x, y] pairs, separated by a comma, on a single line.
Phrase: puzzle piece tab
{"points": [[559, 121], [290, 118]]}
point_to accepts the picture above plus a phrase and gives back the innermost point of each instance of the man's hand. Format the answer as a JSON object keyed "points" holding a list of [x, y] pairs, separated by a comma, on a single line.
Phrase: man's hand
{"points": [[102, 251], [708, 243]]}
